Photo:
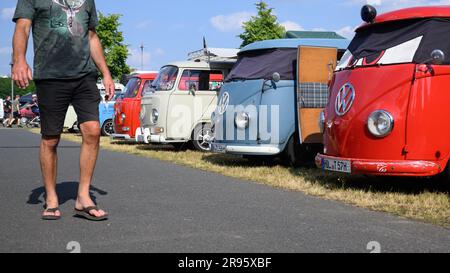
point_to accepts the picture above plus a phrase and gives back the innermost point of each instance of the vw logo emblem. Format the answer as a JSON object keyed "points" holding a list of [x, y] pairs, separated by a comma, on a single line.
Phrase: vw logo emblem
{"points": [[223, 103], [345, 99]]}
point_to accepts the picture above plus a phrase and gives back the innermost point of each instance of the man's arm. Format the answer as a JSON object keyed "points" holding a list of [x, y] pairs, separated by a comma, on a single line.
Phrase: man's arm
{"points": [[99, 60], [21, 74]]}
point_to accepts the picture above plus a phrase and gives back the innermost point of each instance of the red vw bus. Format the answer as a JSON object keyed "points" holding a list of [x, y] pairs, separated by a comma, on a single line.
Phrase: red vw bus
{"points": [[127, 109], [390, 97]]}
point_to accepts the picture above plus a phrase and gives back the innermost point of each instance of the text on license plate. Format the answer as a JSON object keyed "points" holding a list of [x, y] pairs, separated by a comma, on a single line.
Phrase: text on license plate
{"points": [[342, 166]]}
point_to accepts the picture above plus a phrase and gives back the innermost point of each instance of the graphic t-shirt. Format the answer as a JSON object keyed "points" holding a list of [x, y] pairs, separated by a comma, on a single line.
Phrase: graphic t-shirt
{"points": [[61, 36]]}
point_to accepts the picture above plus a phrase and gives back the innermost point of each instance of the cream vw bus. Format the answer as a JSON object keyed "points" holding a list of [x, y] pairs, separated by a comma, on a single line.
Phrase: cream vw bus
{"points": [[177, 107]]}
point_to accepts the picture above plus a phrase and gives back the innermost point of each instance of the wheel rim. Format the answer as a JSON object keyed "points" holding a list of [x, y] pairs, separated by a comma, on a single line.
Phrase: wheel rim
{"points": [[109, 128], [203, 139]]}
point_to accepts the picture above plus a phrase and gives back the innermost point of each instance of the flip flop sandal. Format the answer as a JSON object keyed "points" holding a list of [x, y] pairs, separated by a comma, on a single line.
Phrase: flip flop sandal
{"points": [[86, 213], [51, 217]]}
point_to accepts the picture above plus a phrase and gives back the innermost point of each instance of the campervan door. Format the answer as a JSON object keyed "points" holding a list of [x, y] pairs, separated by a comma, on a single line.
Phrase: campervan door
{"points": [[314, 73]]}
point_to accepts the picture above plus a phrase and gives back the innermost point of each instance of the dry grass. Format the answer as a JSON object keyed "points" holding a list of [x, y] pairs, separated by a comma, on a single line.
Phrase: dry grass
{"points": [[426, 200]]}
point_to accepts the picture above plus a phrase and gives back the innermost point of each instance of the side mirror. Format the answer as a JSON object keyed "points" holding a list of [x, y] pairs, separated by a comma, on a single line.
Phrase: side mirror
{"points": [[276, 77], [437, 57], [192, 89]]}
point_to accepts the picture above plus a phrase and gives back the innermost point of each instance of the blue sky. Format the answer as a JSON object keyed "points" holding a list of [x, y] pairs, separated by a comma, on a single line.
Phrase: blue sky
{"points": [[171, 29]]}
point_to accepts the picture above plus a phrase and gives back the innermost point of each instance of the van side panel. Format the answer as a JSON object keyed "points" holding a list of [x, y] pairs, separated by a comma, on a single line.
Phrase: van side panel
{"points": [[429, 109]]}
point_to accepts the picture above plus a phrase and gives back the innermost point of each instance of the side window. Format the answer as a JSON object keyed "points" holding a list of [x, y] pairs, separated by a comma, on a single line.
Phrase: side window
{"points": [[201, 80], [146, 88]]}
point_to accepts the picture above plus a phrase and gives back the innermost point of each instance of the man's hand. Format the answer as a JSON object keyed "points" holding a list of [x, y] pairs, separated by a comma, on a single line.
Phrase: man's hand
{"points": [[110, 87], [22, 74]]}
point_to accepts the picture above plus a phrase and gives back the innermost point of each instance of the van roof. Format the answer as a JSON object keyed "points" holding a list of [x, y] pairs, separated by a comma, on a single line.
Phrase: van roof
{"points": [[294, 43], [145, 75], [411, 13]]}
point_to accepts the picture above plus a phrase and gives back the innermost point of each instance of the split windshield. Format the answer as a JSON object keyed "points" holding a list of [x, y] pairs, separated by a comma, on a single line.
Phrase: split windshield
{"points": [[261, 64], [166, 79], [407, 41]]}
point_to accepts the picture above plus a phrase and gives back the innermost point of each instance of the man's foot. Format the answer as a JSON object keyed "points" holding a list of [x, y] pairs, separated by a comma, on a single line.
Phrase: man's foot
{"points": [[51, 212], [82, 204]]}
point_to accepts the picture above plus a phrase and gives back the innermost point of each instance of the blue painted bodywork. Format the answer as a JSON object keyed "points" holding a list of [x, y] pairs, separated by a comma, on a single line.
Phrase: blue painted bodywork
{"points": [[106, 110], [266, 93]]}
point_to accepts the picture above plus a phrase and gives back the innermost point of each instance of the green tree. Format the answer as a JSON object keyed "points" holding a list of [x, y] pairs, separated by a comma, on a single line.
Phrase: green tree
{"points": [[116, 51], [5, 88], [264, 26]]}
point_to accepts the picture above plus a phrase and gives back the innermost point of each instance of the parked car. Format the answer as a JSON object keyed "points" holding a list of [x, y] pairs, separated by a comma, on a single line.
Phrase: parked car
{"points": [[106, 116], [389, 97], [259, 107], [127, 109], [178, 108]]}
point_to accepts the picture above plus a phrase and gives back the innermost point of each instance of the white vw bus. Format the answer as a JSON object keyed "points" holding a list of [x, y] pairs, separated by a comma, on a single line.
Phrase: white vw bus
{"points": [[177, 107]]}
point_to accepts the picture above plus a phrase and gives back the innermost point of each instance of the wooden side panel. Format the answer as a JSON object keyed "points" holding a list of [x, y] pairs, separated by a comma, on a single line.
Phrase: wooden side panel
{"points": [[315, 69]]}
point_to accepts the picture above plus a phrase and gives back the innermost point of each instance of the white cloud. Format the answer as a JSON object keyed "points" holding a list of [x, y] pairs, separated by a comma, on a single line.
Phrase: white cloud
{"points": [[348, 32], [134, 60], [292, 26], [5, 50], [7, 13], [230, 22], [143, 25]]}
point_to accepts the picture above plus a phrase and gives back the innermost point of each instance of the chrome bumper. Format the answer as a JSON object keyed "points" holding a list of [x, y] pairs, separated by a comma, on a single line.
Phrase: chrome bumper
{"points": [[246, 149]]}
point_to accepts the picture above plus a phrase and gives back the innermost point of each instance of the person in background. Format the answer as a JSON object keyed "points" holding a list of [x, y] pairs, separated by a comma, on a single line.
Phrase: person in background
{"points": [[15, 110], [7, 110]]}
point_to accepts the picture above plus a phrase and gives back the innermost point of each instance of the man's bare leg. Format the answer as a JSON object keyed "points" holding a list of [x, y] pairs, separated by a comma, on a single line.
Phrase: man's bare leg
{"points": [[49, 161], [88, 159]]}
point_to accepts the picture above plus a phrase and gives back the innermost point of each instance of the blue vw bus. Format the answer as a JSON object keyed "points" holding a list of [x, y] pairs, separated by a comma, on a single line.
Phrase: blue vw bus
{"points": [[258, 112]]}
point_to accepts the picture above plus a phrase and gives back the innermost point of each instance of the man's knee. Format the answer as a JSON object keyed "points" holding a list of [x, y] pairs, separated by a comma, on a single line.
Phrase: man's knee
{"points": [[50, 142], [90, 131]]}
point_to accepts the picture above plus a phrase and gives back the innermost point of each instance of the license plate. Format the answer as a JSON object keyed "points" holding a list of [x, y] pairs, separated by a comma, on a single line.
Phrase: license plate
{"points": [[218, 148], [341, 166]]}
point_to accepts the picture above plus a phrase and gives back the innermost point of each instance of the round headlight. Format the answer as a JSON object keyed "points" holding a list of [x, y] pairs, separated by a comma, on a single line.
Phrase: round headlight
{"points": [[155, 116], [123, 116], [380, 123], [242, 120]]}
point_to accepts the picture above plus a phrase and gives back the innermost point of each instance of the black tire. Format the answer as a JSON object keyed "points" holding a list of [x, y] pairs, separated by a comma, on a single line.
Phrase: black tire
{"points": [[201, 137], [298, 155], [72, 130], [108, 128]]}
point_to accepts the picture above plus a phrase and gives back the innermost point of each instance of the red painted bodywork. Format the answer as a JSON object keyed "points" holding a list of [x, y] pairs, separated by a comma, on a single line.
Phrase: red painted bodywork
{"points": [[131, 107], [417, 96]]}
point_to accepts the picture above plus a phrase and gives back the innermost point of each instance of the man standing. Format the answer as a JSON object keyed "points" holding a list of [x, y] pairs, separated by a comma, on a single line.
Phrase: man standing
{"points": [[7, 110], [67, 53], [15, 111]]}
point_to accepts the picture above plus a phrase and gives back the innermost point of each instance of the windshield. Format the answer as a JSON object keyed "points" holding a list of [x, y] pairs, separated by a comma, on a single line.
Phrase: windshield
{"points": [[132, 88], [261, 64], [408, 41], [166, 79]]}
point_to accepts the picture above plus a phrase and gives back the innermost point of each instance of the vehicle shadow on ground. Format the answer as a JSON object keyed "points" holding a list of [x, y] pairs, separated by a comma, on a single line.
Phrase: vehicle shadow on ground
{"points": [[375, 184], [153, 147], [67, 191], [405, 185]]}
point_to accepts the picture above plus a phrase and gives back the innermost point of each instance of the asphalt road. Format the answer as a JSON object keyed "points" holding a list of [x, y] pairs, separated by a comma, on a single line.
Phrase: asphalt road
{"points": [[160, 207]]}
